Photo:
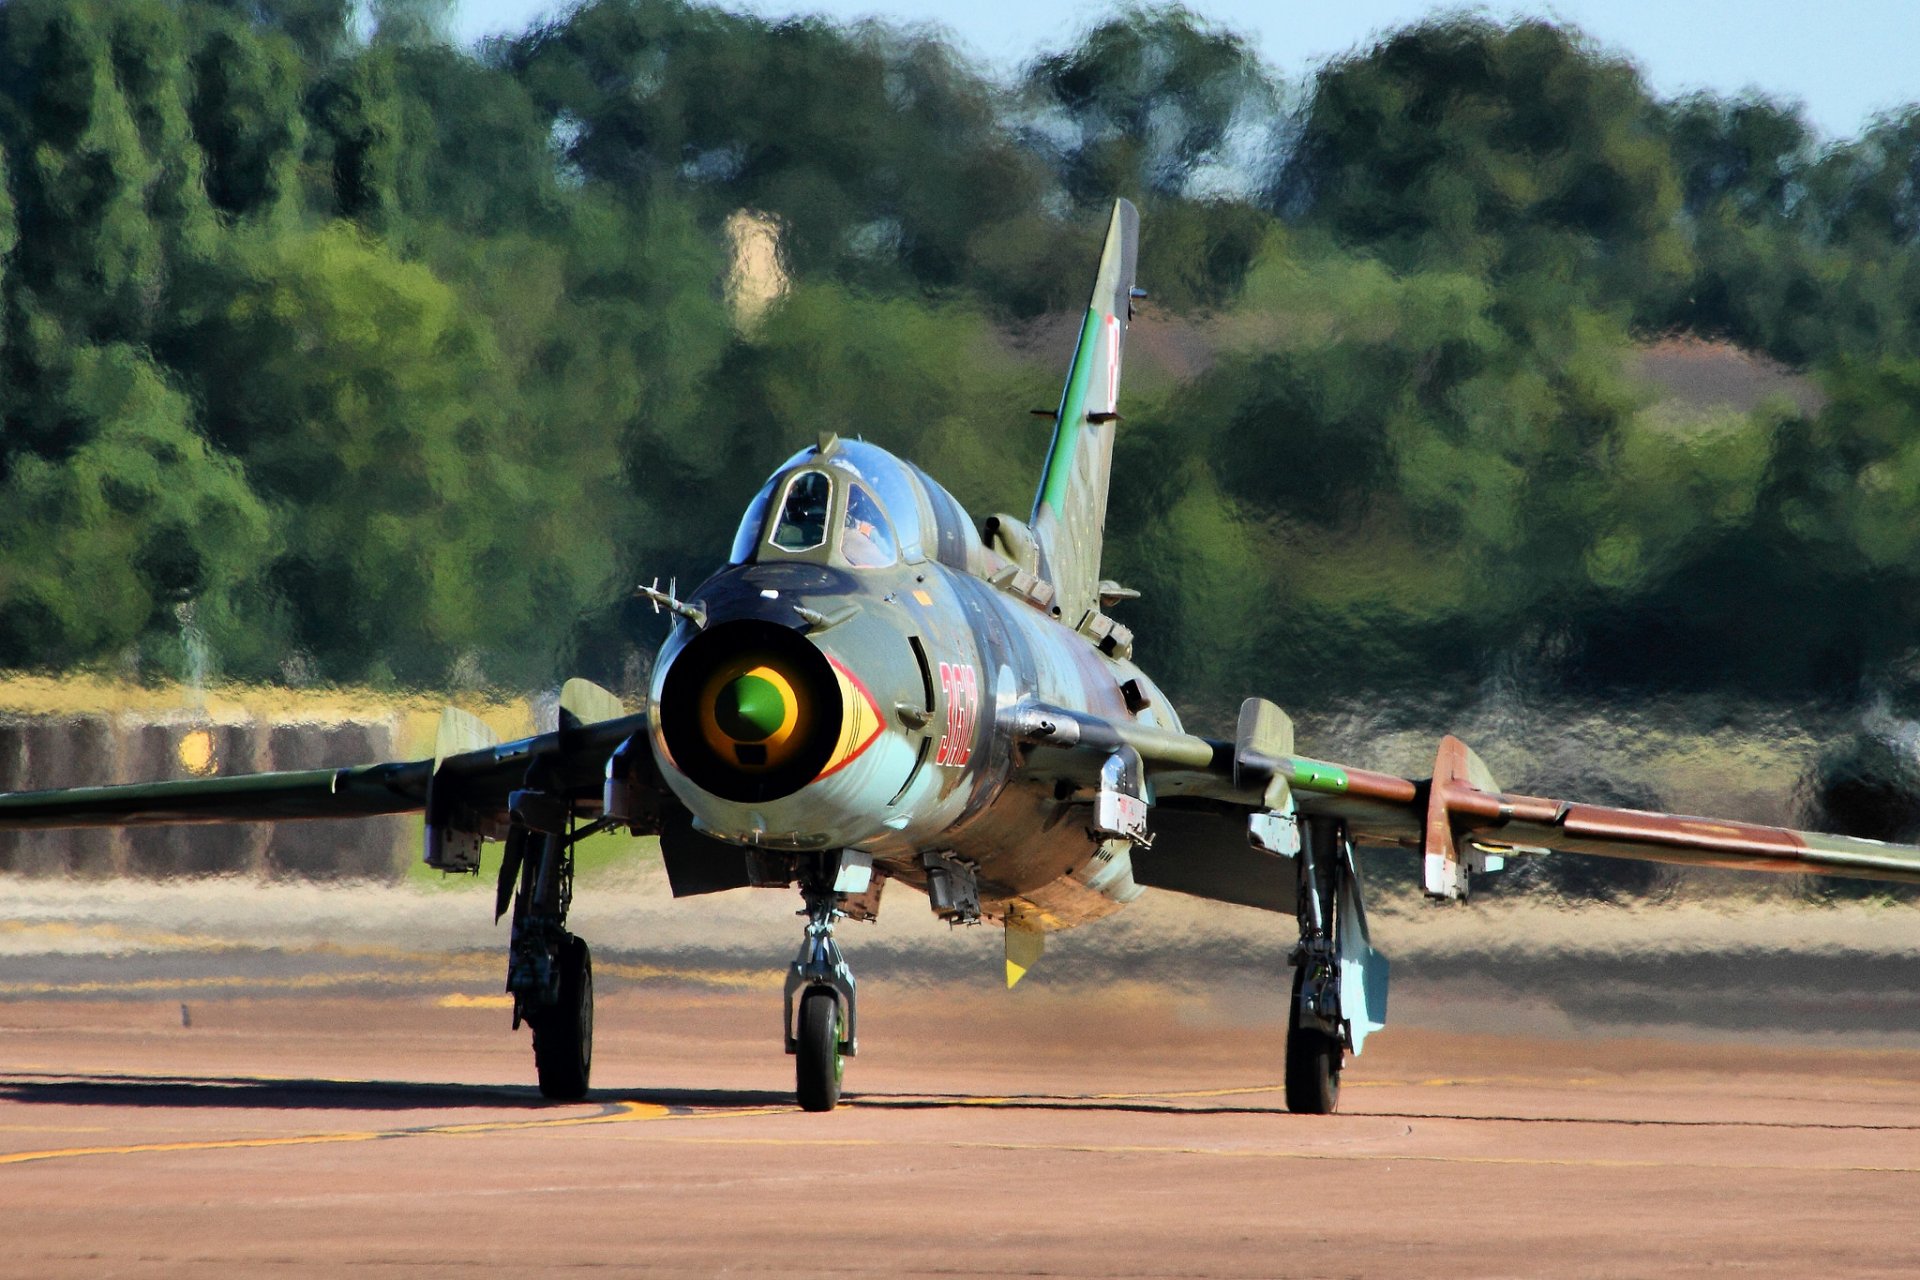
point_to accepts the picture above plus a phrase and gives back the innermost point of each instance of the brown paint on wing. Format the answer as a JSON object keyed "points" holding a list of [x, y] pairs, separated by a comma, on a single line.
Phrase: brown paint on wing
{"points": [[1464, 804]]}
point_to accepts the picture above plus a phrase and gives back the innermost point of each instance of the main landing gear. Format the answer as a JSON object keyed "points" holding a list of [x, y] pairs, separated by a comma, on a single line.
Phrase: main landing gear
{"points": [[821, 1023], [549, 971], [1339, 980]]}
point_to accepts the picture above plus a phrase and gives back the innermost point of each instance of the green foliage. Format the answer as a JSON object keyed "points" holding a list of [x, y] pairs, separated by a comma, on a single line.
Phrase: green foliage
{"points": [[876, 149], [139, 515], [356, 115], [411, 21], [247, 120], [1513, 152], [1152, 99], [933, 383], [1412, 480], [347, 343], [403, 490], [474, 149], [148, 44], [80, 173]]}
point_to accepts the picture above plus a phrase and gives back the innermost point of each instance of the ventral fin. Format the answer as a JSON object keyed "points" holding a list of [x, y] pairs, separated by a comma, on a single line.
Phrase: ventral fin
{"points": [[1025, 943]]}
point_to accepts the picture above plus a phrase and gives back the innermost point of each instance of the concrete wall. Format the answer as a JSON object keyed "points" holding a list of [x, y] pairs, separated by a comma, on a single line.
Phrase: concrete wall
{"points": [[69, 750]]}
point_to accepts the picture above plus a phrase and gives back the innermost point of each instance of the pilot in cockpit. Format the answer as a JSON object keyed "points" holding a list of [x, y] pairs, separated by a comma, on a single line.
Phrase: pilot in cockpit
{"points": [[866, 540]]}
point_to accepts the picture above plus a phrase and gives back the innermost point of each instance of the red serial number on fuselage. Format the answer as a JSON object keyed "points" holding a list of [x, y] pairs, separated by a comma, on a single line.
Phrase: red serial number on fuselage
{"points": [[961, 686]]}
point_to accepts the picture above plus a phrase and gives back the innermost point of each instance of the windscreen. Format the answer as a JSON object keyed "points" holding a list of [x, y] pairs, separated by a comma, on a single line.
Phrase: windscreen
{"points": [[802, 524]]}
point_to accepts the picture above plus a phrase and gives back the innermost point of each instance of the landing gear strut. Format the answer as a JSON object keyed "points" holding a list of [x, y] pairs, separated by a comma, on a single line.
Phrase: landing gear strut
{"points": [[549, 971], [1316, 1030], [822, 1035]]}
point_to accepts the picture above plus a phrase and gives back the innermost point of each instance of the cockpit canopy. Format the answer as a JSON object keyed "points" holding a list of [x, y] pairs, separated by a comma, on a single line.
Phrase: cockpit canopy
{"points": [[852, 504]]}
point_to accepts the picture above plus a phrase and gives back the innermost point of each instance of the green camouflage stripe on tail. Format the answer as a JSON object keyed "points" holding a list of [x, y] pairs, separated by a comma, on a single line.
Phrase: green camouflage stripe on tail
{"points": [[1070, 509], [1072, 415]]}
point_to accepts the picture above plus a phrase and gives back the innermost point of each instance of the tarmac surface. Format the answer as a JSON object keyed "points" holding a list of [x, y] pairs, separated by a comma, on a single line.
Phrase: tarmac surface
{"points": [[178, 1097]]}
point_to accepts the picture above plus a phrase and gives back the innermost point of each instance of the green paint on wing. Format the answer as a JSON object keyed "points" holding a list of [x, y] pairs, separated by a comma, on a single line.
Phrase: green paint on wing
{"points": [[1317, 775], [1073, 415]]}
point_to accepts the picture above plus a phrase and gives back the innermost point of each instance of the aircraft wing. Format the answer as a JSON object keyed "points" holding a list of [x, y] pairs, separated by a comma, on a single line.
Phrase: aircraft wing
{"points": [[1215, 801], [468, 789]]}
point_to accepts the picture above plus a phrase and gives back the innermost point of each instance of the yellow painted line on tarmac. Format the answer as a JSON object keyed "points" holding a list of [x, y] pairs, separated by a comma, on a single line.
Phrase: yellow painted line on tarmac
{"points": [[621, 1112], [735, 1113]]}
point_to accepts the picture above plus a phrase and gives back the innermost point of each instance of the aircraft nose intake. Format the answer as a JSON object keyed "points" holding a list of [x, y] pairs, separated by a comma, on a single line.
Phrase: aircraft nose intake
{"points": [[751, 711]]}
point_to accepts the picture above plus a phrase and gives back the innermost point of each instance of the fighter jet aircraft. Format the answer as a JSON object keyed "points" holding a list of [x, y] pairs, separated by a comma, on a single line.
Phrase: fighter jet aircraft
{"points": [[876, 688]]}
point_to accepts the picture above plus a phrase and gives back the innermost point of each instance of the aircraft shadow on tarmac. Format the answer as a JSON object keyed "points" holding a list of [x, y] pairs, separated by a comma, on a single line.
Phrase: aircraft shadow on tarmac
{"points": [[256, 1092], [185, 1092], [1054, 1102], [225, 1092], [274, 1093]]}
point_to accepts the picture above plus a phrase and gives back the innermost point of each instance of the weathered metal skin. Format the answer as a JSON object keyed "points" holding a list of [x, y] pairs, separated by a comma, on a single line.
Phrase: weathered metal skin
{"points": [[945, 654]]}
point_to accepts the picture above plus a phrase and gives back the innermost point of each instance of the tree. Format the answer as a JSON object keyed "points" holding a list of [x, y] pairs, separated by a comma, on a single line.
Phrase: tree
{"points": [[139, 515], [357, 127], [879, 152], [1154, 100], [247, 87], [88, 249], [473, 151], [1867, 192], [397, 22], [364, 397], [149, 53], [1513, 152], [1751, 153]]}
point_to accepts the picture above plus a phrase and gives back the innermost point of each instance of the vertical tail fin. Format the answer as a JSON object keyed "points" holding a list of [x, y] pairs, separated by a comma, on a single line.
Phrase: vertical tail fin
{"points": [[1070, 511]]}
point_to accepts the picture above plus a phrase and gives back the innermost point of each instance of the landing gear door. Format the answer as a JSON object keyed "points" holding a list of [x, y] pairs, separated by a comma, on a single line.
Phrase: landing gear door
{"points": [[1363, 971]]}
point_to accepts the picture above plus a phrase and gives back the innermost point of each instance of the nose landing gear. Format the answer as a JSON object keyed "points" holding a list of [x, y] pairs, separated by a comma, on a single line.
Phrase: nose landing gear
{"points": [[823, 1035]]}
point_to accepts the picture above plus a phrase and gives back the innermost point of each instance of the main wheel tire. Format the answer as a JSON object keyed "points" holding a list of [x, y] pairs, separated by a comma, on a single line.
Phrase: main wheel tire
{"points": [[1313, 1062], [563, 1035], [818, 1065]]}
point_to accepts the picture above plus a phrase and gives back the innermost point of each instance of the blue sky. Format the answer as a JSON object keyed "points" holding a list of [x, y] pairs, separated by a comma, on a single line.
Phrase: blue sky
{"points": [[1845, 59]]}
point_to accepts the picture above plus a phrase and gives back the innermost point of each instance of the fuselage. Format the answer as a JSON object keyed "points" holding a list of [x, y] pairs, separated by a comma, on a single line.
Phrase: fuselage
{"points": [[849, 689]]}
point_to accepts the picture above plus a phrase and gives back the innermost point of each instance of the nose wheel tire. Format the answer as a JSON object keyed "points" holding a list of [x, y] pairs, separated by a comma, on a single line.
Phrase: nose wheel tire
{"points": [[1313, 1064], [818, 1062], [563, 1034]]}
